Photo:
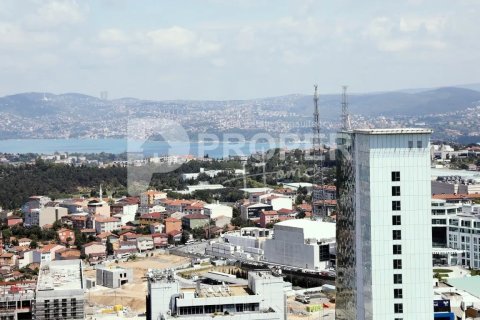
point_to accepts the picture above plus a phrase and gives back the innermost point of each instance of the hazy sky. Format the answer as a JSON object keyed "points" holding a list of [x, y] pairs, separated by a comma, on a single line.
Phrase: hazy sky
{"points": [[226, 49]]}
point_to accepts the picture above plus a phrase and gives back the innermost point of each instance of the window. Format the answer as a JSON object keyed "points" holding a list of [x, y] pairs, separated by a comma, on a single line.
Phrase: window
{"points": [[398, 293], [398, 308], [396, 205], [396, 220], [395, 175], [397, 279], [397, 249], [410, 144], [397, 234], [395, 191], [397, 264], [419, 143]]}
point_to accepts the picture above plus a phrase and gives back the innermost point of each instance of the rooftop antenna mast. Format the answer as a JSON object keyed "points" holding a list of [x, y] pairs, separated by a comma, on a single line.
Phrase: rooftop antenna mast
{"points": [[317, 155], [346, 120]]}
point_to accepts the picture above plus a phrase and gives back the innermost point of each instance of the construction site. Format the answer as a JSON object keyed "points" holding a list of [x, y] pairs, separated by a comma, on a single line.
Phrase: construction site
{"points": [[131, 295], [16, 300]]}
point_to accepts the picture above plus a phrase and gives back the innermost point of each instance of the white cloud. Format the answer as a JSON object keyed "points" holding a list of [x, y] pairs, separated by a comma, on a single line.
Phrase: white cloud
{"points": [[14, 37], [178, 40], [407, 33], [54, 13], [112, 36]]}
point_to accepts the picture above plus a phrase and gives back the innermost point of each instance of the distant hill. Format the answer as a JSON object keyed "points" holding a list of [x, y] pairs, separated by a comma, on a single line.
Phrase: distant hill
{"points": [[433, 101]]}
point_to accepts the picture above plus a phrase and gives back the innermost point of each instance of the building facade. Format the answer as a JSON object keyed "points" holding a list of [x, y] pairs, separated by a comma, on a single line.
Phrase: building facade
{"points": [[384, 233], [60, 291], [304, 244]]}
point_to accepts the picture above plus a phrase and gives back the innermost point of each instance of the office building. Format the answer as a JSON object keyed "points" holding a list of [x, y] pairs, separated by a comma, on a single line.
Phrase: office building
{"points": [[262, 299], [60, 291], [304, 244], [384, 231]]}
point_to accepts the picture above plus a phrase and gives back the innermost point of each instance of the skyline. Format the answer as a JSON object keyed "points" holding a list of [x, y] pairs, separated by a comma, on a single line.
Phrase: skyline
{"points": [[222, 50]]}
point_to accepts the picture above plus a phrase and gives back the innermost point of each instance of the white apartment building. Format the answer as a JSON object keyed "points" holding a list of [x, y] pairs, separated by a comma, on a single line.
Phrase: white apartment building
{"points": [[43, 216], [103, 224], [384, 231], [215, 210]]}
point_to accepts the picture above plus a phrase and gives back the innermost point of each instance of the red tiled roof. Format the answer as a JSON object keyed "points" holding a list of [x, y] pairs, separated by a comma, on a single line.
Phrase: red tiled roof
{"points": [[269, 212], [104, 235], [195, 216], [153, 215], [285, 211], [106, 219]]}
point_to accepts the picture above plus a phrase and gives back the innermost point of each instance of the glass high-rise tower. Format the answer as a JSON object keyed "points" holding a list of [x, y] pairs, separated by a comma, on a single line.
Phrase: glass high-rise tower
{"points": [[384, 244]]}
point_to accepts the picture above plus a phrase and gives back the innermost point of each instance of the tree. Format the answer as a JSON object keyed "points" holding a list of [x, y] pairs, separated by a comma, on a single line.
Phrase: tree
{"points": [[198, 233], [185, 236], [6, 235], [109, 247], [33, 244], [170, 239], [57, 225]]}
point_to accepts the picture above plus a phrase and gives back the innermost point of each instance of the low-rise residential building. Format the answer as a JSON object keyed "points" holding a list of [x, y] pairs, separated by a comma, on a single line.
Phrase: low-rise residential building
{"points": [[48, 251], [151, 209], [270, 217], [14, 220], [251, 211], [150, 218], [215, 210], [67, 254], [172, 224], [278, 202], [193, 221], [98, 207], [175, 235], [94, 251], [151, 197], [66, 236], [24, 242], [106, 224], [160, 240], [156, 227], [8, 259], [145, 243], [193, 209]]}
